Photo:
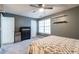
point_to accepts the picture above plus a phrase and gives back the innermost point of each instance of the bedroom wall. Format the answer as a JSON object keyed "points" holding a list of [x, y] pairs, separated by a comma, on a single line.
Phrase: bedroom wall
{"points": [[0, 29], [21, 21], [0, 22], [70, 29], [1, 7]]}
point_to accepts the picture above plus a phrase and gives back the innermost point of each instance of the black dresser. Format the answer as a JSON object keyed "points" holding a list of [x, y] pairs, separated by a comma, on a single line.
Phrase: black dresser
{"points": [[25, 33]]}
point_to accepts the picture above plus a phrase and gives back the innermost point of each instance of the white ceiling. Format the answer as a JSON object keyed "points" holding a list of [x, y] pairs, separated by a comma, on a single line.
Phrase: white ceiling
{"points": [[26, 10]]}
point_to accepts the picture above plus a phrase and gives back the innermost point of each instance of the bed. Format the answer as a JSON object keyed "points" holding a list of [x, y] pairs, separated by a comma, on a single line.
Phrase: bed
{"points": [[46, 45], [54, 45]]}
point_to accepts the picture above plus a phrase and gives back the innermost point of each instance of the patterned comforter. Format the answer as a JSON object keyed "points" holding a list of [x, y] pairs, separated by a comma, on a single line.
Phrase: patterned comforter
{"points": [[54, 45]]}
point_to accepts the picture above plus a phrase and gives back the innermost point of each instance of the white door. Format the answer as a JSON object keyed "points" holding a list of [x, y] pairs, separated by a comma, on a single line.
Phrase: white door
{"points": [[7, 30], [33, 28]]}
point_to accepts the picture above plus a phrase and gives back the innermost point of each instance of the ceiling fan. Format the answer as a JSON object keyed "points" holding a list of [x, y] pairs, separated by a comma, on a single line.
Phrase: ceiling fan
{"points": [[44, 6]]}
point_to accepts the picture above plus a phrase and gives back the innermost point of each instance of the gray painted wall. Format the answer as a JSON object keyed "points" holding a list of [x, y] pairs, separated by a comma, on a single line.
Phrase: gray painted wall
{"points": [[0, 29], [70, 29], [21, 21]]}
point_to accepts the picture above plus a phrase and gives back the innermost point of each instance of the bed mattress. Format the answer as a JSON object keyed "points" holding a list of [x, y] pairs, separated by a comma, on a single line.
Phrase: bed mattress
{"points": [[54, 45]]}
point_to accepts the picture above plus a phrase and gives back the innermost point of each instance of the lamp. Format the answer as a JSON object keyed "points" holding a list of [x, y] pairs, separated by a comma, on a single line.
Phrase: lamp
{"points": [[41, 9]]}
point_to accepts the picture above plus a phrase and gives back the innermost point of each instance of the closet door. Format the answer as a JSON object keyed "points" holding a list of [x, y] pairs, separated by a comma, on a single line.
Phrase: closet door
{"points": [[7, 30], [33, 28]]}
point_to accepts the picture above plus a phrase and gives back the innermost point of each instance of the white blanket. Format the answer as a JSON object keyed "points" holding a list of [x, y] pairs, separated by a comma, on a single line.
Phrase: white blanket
{"points": [[54, 45]]}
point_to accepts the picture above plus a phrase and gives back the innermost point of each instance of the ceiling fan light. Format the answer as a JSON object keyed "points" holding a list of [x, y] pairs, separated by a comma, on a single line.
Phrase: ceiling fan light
{"points": [[43, 5], [41, 9]]}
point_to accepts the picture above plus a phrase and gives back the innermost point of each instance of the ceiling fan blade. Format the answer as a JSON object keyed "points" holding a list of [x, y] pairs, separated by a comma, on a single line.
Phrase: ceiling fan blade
{"points": [[36, 5], [41, 6], [48, 7]]}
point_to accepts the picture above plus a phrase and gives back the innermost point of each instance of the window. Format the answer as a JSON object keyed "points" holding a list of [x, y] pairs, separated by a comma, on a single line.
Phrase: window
{"points": [[41, 26], [44, 26]]}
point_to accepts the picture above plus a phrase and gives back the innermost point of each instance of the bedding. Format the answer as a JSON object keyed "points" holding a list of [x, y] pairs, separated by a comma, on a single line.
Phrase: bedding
{"points": [[54, 45], [46, 45]]}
